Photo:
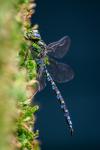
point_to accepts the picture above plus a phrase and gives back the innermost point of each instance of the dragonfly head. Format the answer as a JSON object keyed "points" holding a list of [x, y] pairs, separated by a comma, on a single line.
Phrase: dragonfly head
{"points": [[32, 35], [36, 34]]}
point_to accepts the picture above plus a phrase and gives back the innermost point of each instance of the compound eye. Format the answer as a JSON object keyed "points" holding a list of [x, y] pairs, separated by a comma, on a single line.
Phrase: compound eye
{"points": [[37, 35]]}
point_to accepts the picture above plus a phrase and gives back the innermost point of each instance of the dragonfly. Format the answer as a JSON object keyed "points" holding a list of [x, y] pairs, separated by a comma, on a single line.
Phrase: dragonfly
{"points": [[48, 67]]}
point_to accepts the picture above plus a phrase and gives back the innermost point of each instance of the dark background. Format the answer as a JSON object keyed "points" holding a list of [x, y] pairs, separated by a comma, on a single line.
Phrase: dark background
{"points": [[81, 21]]}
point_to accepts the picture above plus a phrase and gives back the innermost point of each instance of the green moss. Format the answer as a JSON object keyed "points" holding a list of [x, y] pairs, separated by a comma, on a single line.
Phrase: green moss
{"points": [[16, 113]]}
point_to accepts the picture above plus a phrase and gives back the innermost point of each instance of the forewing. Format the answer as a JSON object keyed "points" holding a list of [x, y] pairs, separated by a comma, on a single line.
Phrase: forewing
{"points": [[60, 48], [60, 72]]}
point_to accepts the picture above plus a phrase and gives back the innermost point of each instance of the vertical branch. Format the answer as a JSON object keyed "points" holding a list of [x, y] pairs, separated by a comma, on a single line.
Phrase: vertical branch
{"points": [[14, 100]]}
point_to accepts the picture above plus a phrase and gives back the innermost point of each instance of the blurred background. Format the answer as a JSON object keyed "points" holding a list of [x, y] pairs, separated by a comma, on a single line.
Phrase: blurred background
{"points": [[81, 21]]}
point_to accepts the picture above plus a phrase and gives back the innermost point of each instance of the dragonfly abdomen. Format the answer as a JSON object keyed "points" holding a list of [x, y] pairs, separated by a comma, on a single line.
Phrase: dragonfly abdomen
{"points": [[61, 100]]}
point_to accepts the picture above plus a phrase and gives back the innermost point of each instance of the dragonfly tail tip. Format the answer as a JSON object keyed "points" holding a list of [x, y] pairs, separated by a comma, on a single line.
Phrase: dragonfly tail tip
{"points": [[72, 131]]}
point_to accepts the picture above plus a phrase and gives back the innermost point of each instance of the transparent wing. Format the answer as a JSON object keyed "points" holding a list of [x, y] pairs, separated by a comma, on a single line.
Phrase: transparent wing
{"points": [[42, 81], [60, 72], [60, 48]]}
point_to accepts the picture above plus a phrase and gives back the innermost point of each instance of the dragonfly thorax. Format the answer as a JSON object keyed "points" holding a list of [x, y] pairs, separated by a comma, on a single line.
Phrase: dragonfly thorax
{"points": [[38, 49]]}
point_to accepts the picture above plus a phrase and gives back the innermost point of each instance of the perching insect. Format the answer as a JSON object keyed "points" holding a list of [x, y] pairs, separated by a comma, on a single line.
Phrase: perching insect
{"points": [[50, 68]]}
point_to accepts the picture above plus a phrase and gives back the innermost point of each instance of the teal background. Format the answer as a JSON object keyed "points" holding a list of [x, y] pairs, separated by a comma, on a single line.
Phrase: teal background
{"points": [[81, 21]]}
